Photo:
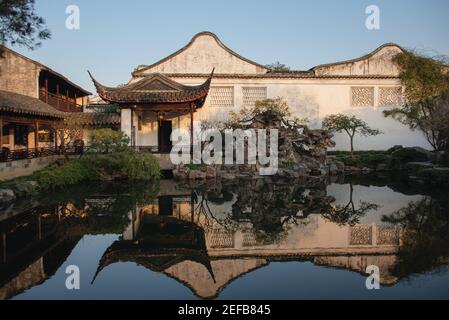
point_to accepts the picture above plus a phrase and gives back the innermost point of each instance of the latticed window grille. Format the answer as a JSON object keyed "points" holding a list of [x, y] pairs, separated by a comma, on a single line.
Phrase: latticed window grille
{"points": [[390, 96], [253, 94], [221, 96], [362, 96], [221, 239], [249, 239], [361, 235]]}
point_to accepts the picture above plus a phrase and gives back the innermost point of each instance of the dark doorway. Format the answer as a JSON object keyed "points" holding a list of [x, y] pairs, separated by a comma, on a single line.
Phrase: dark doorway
{"points": [[164, 133], [21, 136], [165, 206]]}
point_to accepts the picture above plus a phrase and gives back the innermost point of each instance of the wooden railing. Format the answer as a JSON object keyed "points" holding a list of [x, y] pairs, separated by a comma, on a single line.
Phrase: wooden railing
{"points": [[7, 155], [60, 102]]}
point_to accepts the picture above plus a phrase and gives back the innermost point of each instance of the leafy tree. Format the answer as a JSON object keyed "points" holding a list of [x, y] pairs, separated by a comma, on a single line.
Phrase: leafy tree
{"points": [[277, 66], [20, 25], [108, 140], [426, 107], [268, 107], [349, 124]]}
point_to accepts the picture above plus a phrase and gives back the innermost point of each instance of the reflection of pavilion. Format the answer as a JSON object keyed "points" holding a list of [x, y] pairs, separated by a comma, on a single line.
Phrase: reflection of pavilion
{"points": [[168, 236]]}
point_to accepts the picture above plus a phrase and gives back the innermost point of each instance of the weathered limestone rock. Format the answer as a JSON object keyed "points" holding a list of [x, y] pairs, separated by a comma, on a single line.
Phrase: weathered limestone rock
{"points": [[197, 175], [7, 196]]}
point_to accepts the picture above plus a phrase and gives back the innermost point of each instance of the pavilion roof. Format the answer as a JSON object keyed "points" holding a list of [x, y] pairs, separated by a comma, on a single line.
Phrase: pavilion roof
{"points": [[24, 105], [92, 119], [154, 89]]}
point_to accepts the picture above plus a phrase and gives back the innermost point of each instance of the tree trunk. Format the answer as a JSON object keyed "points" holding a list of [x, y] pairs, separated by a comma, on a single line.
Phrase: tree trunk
{"points": [[352, 146]]}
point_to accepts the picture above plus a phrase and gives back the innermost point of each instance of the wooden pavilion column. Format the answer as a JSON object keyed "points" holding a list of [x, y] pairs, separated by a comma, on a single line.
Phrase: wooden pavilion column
{"points": [[57, 95], [36, 138], [46, 90], [191, 129], [67, 102], [1, 133]]}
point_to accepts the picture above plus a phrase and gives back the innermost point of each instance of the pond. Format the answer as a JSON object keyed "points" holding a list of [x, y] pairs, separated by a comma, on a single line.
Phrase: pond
{"points": [[246, 239]]}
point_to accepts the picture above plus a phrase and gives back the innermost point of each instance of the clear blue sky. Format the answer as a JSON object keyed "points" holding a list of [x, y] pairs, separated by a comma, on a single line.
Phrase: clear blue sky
{"points": [[116, 36]]}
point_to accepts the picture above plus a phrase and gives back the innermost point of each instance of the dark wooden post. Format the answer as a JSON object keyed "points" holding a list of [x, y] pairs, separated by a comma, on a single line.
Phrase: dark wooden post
{"points": [[67, 102], [57, 95], [46, 90], [75, 104], [36, 139], [1, 134], [191, 129]]}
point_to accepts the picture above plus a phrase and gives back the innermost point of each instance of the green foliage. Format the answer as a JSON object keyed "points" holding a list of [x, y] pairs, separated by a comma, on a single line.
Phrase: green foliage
{"points": [[108, 140], [278, 67], [20, 25], [349, 124], [362, 159], [277, 106], [426, 107], [120, 165]]}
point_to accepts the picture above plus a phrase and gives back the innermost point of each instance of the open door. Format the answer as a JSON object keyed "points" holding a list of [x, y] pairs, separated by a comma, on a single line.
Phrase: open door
{"points": [[164, 133]]}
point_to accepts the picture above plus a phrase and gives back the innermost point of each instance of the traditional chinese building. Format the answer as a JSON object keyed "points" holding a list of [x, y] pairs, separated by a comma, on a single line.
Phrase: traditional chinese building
{"points": [[35, 102], [156, 100], [363, 86]]}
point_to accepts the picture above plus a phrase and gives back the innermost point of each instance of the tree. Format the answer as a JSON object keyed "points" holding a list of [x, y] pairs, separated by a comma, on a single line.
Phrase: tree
{"points": [[426, 107], [277, 66], [349, 124], [20, 25]]}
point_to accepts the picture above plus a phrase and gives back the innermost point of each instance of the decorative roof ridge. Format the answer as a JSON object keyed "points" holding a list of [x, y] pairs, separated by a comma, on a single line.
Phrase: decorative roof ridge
{"points": [[366, 56], [136, 72]]}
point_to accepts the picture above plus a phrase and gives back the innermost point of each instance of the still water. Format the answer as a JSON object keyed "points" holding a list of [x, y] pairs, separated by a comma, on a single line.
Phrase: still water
{"points": [[238, 240]]}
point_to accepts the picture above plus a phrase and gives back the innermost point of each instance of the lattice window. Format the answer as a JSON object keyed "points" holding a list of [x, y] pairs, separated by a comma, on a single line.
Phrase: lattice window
{"points": [[387, 235], [249, 239], [221, 96], [253, 94], [360, 235], [390, 96], [221, 239], [362, 96]]}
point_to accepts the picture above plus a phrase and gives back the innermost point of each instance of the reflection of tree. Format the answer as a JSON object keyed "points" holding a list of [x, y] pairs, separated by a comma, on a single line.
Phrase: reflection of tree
{"points": [[349, 214], [270, 208], [425, 236], [103, 207]]}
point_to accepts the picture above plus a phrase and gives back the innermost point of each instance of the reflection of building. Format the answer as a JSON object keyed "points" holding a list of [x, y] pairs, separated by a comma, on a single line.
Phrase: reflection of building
{"points": [[169, 236], [363, 86], [33, 247]]}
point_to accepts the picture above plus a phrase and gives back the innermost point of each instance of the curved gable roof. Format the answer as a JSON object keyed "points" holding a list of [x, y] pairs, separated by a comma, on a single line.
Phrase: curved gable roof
{"points": [[141, 71], [359, 59]]}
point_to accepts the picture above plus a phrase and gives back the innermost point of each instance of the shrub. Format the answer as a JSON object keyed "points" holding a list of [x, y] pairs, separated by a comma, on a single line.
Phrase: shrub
{"points": [[108, 140], [128, 165]]}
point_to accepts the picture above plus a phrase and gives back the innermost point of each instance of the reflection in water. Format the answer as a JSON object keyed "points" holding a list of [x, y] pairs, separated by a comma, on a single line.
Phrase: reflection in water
{"points": [[207, 236]]}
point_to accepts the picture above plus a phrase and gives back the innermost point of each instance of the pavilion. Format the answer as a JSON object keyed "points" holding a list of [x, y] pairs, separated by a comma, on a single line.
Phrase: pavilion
{"points": [[156, 98]]}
